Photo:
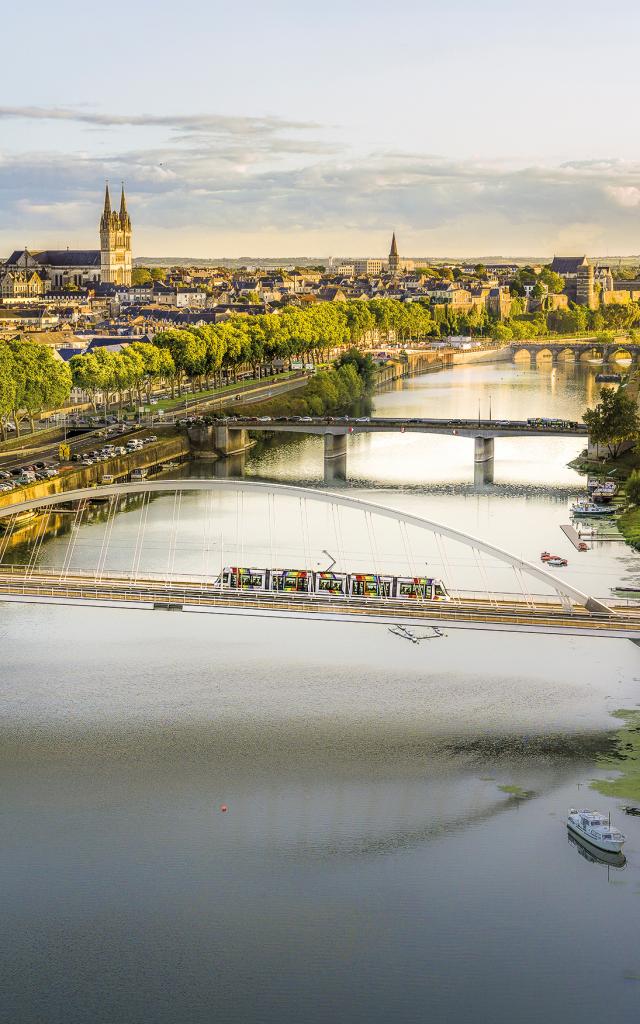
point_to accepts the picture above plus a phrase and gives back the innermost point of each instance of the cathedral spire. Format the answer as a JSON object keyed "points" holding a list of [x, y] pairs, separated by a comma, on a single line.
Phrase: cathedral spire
{"points": [[124, 216], [394, 246], [106, 213]]}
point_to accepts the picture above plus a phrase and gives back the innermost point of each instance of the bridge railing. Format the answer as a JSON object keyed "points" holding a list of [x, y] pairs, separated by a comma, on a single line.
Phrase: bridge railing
{"points": [[442, 611], [28, 576]]}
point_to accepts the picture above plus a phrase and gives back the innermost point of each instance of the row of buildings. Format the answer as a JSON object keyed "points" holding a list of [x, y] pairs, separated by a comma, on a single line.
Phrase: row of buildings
{"points": [[51, 290]]}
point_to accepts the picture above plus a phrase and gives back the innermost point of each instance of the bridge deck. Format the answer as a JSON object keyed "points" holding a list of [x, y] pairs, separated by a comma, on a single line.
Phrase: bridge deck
{"points": [[387, 424], [494, 614]]}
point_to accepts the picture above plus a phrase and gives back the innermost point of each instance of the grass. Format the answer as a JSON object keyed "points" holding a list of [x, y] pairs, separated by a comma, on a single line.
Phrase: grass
{"points": [[624, 759], [169, 404], [629, 526], [517, 792]]}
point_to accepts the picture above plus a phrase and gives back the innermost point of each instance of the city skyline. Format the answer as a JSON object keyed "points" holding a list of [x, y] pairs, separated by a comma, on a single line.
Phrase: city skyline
{"points": [[318, 136]]}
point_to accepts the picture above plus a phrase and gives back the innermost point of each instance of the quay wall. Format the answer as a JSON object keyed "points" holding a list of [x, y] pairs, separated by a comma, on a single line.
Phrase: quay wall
{"points": [[163, 450], [486, 355]]}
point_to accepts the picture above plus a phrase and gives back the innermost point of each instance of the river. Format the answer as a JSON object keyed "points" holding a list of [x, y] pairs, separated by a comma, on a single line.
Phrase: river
{"points": [[393, 845]]}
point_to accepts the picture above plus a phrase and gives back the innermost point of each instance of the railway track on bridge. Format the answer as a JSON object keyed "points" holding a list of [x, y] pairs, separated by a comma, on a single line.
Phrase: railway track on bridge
{"points": [[464, 613]]}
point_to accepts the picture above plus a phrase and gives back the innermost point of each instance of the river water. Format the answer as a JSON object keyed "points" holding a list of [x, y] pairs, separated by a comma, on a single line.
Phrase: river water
{"points": [[394, 845]]}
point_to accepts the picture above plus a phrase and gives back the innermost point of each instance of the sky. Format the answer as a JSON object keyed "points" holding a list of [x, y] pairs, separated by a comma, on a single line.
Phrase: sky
{"points": [[469, 128]]}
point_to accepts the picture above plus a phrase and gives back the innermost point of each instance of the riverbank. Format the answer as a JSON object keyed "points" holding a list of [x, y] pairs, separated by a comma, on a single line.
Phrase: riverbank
{"points": [[168, 448]]}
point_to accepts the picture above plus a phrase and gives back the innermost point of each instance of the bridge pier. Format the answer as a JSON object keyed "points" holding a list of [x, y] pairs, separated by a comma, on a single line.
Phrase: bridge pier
{"points": [[209, 441], [335, 457], [483, 460], [483, 449]]}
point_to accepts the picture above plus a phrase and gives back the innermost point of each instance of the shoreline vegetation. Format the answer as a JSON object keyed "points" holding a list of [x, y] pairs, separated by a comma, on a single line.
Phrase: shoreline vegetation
{"points": [[349, 384], [624, 758]]}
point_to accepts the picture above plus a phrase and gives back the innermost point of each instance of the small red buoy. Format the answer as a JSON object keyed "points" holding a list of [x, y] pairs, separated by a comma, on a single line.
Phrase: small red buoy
{"points": [[224, 808]]}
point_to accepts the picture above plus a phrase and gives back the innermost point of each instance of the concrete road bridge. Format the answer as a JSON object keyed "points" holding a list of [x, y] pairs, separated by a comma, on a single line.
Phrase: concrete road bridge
{"points": [[540, 603], [230, 436]]}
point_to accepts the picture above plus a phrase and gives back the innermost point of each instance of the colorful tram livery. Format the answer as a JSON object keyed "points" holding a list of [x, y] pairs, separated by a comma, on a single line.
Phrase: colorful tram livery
{"points": [[334, 584]]}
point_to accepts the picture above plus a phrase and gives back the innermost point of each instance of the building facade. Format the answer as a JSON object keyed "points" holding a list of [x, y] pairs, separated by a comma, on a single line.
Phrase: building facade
{"points": [[115, 242], [59, 269]]}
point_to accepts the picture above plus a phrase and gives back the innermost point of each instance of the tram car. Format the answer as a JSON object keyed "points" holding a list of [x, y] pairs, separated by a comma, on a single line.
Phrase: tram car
{"points": [[334, 584]]}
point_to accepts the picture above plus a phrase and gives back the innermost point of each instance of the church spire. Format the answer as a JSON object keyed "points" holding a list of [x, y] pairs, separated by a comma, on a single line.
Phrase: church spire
{"points": [[124, 216], [106, 213], [394, 259]]}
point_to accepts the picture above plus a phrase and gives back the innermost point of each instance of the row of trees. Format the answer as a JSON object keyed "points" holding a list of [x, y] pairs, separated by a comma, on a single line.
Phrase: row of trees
{"points": [[31, 380], [209, 355]]}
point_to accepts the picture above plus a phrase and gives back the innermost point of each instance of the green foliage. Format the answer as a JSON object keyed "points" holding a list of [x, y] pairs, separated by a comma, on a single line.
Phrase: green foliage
{"points": [[613, 421], [632, 487], [363, 365], [40, 381], [147, 275], [554, 282]]}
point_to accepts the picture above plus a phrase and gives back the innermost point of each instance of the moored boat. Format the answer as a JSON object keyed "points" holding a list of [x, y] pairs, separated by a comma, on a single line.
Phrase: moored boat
{"points": [[595, 856], [556, 560], [595, 829], [589, 508]]}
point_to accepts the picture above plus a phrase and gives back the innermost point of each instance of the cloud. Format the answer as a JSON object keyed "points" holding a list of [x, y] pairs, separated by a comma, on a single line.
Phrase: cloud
{"points": [[247, 182], [185, 124]]}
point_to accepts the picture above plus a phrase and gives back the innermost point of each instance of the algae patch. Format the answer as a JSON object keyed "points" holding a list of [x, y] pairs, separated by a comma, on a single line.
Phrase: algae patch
{"points": [[623, 758], [517, 792]]}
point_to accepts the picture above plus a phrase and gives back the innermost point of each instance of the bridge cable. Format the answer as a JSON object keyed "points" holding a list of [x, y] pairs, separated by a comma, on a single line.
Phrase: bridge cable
{"points": [[242, 527], [142, 526], [206, 539], [270, 520], [523, 586], [71, 546], [483, 576], [7, 535], [38, 543], [304, 526], [172, 539], [447, 565], [106, 540]]}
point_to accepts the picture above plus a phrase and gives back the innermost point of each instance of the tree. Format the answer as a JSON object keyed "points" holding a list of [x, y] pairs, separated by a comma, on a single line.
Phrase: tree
{"points": [[632, 487], [613, 421], [7, 388], [362, 364], [41, 381], [140, 276], [554, 282]]}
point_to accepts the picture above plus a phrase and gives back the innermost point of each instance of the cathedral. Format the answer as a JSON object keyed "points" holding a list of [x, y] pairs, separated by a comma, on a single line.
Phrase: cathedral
{"points": [[115, 242], [31, 272]]}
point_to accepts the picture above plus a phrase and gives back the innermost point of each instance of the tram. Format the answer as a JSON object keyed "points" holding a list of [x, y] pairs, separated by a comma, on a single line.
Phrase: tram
{"points": [[333, 584]]}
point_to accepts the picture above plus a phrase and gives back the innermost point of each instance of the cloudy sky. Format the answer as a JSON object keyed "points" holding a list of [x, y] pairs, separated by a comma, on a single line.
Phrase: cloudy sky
{"points": [[471, 128]]}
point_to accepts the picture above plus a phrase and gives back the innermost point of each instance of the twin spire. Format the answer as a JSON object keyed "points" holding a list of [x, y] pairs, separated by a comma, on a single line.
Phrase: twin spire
{"points": [[111, 219]]}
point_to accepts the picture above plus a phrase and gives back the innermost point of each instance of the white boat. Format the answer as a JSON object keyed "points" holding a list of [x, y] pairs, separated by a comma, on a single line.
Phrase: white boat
{"points": [[596, 829], [589, 508]]}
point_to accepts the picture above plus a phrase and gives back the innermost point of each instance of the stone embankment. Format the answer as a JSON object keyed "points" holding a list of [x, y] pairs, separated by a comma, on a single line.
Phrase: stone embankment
{"points": [[165, 449]]}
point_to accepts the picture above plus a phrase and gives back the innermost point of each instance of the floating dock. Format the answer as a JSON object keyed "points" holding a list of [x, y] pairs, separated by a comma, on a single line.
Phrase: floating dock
{"points": [[588, 536], [573, 535]]}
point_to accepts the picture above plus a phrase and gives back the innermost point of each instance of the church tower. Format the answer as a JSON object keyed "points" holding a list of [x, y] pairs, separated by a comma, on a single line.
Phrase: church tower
{"points": [[115, 242], [394, 259]]}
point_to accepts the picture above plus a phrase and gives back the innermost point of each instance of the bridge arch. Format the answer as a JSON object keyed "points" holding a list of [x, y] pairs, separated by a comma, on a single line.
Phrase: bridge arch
{"points": [[567, 593]]}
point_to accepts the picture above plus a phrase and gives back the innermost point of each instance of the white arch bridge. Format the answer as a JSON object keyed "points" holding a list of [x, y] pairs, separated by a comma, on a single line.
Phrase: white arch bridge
{"points": [[79, 552]]}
